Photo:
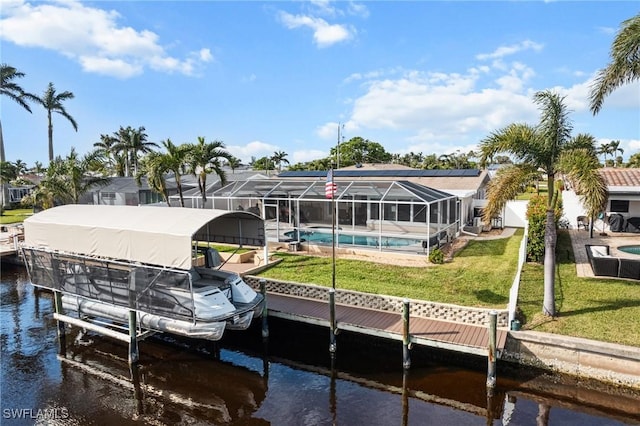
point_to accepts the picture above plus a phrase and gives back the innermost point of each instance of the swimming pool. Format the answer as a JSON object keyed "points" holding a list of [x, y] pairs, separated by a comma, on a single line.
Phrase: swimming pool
{"points": [[635, 249], [324, 236]]}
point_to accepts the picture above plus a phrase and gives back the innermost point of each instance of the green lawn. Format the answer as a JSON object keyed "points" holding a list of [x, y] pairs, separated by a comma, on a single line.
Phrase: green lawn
{"points": [[15, 216], [594, 308], [481, 275]]}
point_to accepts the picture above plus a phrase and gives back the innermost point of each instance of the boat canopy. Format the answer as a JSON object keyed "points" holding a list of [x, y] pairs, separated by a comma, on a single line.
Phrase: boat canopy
{"points": [[161, 236]]}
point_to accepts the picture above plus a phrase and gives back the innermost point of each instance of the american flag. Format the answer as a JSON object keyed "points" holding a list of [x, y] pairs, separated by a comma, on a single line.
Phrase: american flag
{"points": [[330, 187]]}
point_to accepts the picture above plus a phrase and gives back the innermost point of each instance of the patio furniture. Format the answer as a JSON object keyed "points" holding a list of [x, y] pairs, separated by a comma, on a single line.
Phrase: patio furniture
{"points": [[583, 222], [602, 263], [629, 268]]}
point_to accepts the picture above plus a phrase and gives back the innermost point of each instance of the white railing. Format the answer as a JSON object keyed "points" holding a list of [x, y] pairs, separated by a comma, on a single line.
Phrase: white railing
{"points": [[515, 287]]}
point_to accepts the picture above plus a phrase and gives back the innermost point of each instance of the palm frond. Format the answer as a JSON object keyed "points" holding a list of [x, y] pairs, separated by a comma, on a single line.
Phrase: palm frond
{"points": [[505, 186]]}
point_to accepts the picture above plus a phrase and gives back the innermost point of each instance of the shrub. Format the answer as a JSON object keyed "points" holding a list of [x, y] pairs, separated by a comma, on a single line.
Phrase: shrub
{"points": [[537, 216], [436, 256]]}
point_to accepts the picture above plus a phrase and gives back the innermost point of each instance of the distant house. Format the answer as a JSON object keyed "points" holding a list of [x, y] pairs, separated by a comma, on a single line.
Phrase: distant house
{"points": [[125, 191], [624, 198]]}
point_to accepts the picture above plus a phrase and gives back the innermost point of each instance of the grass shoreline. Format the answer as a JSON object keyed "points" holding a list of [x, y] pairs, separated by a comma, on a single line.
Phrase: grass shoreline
{"points": [[481, 275]]}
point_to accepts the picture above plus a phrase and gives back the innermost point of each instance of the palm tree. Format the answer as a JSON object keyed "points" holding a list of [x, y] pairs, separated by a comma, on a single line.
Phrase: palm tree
{"points": [[38, 169], [67, 179], [278, 158], [174, 160], [14, 92], [52, 102], [546, 147], [234, 163], [604, 149], [205, 158], [21, 167], [115, 162], [131, 142], [614, 146], [155, 166], [624, 66]]}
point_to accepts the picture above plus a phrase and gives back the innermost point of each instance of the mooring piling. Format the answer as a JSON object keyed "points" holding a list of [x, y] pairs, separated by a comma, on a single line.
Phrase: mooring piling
{"points": [[491, 359], [406, 338], [265, 325], [332, 320], [133, 337], [62, 340]]}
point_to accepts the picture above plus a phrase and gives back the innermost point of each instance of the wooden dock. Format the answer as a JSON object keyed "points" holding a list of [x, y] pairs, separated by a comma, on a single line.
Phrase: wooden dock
{"points": [[467, 338]]}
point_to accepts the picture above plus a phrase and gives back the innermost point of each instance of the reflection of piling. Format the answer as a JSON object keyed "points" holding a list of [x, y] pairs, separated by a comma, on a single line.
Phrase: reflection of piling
{"points": [[406, 338], [491, 369], [265, 326], [332, 320], [137, 389], [62, 340], [405, 397]]}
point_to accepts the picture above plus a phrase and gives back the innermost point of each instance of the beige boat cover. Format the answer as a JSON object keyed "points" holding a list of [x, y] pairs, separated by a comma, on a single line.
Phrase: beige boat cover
{"points": [[154, 235]]}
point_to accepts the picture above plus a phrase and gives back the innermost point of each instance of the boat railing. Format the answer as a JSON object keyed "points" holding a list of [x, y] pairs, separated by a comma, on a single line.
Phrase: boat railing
{"points": [[143, 288]]}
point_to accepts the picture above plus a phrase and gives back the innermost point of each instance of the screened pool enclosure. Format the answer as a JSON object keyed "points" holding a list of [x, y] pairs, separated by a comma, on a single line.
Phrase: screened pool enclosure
{"points": [[384, 215]]}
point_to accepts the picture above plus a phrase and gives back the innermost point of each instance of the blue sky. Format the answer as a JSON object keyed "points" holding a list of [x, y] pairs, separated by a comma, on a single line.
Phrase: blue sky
{"points": [[423, 76]]}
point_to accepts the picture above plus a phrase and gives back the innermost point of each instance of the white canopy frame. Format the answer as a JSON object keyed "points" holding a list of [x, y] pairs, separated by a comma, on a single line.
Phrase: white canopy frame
{"points": [[161, 236]]}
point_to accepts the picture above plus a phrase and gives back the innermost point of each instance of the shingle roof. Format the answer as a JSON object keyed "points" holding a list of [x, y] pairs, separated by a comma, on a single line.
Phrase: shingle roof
{"points": [[621, 176]]}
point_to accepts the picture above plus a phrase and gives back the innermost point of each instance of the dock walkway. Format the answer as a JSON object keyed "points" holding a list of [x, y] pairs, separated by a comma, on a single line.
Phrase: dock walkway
{"points": [[467, 338]]}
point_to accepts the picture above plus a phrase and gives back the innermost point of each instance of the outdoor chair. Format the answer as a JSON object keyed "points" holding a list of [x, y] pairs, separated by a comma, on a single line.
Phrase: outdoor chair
{"points": [[629, 268], [583, 222]]}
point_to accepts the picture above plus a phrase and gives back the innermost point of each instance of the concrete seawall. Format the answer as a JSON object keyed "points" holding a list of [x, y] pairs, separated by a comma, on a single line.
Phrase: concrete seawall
{"points": [[606, 362]]}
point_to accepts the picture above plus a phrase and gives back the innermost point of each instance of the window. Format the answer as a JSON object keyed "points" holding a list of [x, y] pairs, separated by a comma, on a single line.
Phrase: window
{"points": [[619, 206], [108, 195]]}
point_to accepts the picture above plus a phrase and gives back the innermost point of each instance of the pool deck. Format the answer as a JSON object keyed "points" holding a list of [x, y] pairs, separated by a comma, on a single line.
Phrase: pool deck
{"points": [[580, 237]]}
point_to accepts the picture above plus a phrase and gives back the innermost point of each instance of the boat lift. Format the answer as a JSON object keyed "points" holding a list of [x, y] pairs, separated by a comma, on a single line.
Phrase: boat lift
{"points": [[145, 269]]}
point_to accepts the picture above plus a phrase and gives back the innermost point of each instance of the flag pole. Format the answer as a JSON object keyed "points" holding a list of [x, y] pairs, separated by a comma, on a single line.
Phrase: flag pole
{"points": [[332, 292]]}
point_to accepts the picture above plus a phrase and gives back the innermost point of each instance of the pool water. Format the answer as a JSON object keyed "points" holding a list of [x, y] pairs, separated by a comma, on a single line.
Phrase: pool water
{"points": [[320, 237], [635, 249]]}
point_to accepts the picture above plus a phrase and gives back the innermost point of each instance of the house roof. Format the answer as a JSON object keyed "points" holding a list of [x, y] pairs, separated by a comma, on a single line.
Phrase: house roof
{"points": [[465, 180], [121, 184], [617, 176]]}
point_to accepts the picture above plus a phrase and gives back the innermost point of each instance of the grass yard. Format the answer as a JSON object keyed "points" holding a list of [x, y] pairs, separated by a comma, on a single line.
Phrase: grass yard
{"points": [[593, 308], [15, 216], [481, 275]]}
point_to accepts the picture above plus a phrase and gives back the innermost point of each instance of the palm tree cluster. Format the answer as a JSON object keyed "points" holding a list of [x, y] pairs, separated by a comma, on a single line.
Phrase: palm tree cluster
{"points": [[611, 149]]}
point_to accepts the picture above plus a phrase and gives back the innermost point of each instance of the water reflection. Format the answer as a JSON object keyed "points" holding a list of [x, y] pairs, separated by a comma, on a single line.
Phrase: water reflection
{"points": [[291, 379]]}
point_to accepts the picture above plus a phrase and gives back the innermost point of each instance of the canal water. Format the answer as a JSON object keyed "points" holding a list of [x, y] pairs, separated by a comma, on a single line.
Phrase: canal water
{"points": [[290, 380]]}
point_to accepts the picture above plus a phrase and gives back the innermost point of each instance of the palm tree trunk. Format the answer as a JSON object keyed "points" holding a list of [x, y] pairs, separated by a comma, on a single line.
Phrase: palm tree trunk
{"points": [[550, 236], [2, 158], [202, 183], [179, 185], [50, 138]]}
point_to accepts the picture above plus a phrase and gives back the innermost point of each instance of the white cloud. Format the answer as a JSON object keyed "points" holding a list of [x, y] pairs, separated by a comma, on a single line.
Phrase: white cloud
{"points": [[324, 34], [255, 149], [503, 51], [433, 112], [93, 38], [307, 155]]}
